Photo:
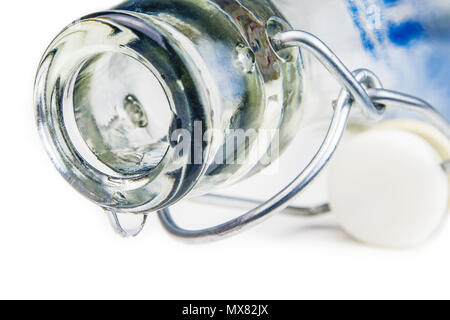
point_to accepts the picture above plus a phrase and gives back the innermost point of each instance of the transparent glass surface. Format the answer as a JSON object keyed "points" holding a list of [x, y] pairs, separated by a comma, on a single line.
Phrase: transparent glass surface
{"points": [[119, 91], [122, 113]]}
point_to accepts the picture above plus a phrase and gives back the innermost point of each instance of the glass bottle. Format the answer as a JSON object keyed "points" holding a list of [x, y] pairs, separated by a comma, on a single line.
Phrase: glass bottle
{"points": [[157, 100]]}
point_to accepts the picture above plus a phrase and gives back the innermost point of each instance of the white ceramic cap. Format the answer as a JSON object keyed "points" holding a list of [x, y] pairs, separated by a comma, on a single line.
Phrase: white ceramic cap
{"points": [[388, 188]]}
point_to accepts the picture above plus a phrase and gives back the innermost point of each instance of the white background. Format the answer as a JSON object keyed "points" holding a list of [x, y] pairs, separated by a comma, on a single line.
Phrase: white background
{"points": [[56, 244]]}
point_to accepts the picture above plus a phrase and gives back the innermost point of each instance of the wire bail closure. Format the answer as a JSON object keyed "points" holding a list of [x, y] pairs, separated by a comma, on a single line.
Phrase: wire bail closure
{"points": [[362, 87]]}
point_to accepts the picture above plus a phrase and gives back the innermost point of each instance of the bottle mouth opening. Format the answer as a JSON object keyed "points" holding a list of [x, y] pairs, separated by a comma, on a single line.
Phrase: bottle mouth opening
{"points": [[110, 91], [119, 94], [117, 115]]}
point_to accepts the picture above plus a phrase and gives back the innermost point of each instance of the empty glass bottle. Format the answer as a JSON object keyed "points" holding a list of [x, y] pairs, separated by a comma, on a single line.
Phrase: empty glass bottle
{"points": [[152, 101]]}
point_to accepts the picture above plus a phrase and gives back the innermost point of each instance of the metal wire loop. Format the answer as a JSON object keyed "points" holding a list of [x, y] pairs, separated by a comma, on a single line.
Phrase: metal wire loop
{"points": [[335, 66], [361, 87], [353, 92]]}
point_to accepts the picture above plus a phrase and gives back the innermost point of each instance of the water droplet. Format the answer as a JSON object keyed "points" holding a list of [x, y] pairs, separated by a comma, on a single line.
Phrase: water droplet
{"points": [[245, 58]]}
